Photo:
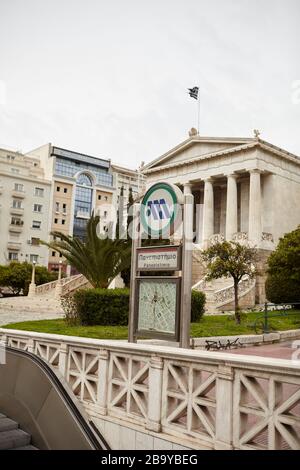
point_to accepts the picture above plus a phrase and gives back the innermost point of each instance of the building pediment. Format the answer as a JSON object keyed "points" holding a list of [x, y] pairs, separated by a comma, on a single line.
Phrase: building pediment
{"points": [[200, 148], [196, 147]]}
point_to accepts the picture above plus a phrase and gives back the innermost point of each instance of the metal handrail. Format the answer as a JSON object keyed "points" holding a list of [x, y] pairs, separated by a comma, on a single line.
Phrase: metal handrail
{"points": [[88, 427], [266, 315]]}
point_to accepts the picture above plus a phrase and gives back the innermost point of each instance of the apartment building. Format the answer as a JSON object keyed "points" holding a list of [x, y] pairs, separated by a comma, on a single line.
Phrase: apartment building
{"points": [[24, 208], [53, 189], [127, 178], [80, 184]]}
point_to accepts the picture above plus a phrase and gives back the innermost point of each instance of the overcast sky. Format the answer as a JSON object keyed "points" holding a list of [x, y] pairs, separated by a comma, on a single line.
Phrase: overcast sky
{"points": [[110, 78]]}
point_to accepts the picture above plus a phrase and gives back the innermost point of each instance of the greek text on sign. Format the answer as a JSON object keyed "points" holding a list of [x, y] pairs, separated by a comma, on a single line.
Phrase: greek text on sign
{"points": [[159, 258]]}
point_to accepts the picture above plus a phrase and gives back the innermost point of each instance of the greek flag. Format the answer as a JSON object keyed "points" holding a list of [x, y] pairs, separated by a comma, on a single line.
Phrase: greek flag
{"points": [[193, 92]]}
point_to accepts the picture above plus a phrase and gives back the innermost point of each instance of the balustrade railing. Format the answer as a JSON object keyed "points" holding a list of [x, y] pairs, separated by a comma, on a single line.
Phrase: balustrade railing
{"points": [[207, 399], [226, 294], [44, 288]]}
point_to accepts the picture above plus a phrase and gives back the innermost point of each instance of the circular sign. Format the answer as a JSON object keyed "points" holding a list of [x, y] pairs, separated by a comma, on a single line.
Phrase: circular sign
{"points": [[161, 209]]}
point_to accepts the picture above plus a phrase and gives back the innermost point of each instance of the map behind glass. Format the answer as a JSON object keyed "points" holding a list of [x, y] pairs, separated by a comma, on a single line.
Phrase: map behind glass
{"points": [[157, 306]]}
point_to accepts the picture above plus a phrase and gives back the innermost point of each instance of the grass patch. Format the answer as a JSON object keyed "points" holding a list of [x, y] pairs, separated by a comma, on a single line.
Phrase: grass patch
{"points": [[211, 325]]}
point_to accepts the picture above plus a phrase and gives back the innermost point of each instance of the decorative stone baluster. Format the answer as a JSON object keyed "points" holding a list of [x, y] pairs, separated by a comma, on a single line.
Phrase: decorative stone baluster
{"points": [[63, 359], [103, 381], [231, 207], [255, 226], [224, 408], [30, 346], [208, 212], [155, 394]]}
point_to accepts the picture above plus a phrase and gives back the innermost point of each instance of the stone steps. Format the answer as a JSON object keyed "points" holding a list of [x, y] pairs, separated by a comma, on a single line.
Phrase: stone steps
{"points": [[13, 438]]}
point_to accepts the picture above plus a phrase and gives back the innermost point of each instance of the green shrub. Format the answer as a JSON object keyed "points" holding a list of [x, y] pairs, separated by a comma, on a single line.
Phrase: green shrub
{"points": [[198, 304], [281, 289], [102, 306], [111, 306]]}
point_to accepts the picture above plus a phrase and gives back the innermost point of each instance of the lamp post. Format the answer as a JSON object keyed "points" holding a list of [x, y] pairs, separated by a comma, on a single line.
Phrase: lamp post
{"points": [[59, 270], [58, 287], [32, 286]]}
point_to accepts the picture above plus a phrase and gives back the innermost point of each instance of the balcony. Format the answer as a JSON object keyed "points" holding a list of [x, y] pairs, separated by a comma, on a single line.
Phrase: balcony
{"points": [[18, 193], [16, 227], [14, 246], [17, 210]]}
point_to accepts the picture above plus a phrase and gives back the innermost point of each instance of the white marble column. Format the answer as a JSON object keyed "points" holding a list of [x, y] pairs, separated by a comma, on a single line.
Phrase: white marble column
{"points": [[208, 212], [187, 188], [231, 207], [255, 226]]}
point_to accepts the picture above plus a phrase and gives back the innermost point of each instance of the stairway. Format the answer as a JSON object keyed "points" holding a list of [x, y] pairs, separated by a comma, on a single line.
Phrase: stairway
{"points": [[210, 289], [219, 292], [12, 437]]}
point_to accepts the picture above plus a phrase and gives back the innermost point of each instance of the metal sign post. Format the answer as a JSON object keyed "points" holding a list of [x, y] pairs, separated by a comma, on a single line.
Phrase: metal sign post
{"points": [[160, 306], [187, 260], [136, 240]]}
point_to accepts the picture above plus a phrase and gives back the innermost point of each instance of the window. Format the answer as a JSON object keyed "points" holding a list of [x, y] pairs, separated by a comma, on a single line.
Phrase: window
{"points": [[63, 221], [65, 190], [64, 208], [39, 192], [12, 256], [99, 197], [60, 255], [84, 180], [106, 198], [17, 204], [53, 253], [58, 188], [37, 207], [19, 187], [16, 221], [36, 224], [35, 241], [70, 168], [105, 214], [57, 206], [34, 258], [56, 221]]}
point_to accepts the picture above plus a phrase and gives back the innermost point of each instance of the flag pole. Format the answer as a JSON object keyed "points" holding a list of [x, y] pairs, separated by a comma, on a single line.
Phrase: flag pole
{"points": [[199, 110]]}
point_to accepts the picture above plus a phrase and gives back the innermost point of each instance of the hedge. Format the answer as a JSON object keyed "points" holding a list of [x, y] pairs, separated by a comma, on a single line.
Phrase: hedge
{"points": [[102, 306], [111, 306]]}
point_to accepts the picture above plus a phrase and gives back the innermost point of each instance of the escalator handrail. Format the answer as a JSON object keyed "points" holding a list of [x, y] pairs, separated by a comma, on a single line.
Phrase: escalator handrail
{"points": [[89, 428]]}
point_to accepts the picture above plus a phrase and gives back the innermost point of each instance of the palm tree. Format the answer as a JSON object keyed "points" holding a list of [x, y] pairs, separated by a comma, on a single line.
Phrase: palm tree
{"points": [[99, 258]]}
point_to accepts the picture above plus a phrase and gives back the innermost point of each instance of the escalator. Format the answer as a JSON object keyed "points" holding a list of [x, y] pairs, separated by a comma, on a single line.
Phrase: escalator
{"points": [[37, 411]]}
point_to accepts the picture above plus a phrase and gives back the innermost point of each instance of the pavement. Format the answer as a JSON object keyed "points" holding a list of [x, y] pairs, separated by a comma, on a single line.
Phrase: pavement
{"points": [[282, 350], [18, 309]]}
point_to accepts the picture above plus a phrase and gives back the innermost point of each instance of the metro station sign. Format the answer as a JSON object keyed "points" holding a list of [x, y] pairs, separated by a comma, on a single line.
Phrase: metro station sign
{"points": [[162, 258], [161, 210]]}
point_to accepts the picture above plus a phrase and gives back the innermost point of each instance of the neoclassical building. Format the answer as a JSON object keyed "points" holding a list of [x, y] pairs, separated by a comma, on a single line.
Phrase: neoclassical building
{"points": [[245, 189]]}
